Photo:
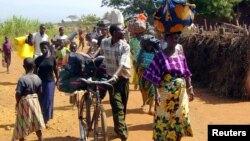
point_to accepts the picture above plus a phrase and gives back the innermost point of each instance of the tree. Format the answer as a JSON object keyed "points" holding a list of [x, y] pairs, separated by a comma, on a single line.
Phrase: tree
{"points": [[73, 18], [87, 20], [205, 8]]}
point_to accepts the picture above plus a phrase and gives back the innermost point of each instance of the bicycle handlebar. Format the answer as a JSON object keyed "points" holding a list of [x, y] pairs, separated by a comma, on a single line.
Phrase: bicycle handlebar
{"points": [[97, 82]]}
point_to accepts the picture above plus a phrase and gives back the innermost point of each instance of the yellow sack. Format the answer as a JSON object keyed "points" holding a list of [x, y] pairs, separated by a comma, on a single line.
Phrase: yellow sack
{"points": [[25, 51], [19, 41]]}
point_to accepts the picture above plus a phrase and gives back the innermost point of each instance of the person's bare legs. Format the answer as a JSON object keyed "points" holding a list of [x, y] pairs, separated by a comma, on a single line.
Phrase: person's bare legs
{"points": [[178, 138], [136, 86], [39, 135], [151, 110], [83, 44], [8, 66]]}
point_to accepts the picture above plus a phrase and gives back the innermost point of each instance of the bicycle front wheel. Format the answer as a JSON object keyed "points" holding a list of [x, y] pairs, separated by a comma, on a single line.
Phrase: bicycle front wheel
{"points": [[85, 111], [100, 125]]}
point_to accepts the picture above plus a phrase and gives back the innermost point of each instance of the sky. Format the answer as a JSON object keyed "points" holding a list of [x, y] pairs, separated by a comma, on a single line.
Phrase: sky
{"points": [[49, 10]]}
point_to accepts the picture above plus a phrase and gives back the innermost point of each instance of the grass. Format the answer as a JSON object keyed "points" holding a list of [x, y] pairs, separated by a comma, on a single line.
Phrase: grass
{"points": [[19, 26]]}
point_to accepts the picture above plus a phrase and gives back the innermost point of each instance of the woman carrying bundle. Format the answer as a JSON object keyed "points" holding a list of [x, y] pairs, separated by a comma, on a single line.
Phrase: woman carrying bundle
{"points": [[143, 57], [169, 72]]}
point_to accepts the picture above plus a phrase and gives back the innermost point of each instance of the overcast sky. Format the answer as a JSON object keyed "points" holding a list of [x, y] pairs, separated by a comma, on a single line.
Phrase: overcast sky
{"points": [[49, 10]]}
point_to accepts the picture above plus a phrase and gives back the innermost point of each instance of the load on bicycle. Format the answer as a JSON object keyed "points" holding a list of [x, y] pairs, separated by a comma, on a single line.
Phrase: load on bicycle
{"points": [[88, 66]]}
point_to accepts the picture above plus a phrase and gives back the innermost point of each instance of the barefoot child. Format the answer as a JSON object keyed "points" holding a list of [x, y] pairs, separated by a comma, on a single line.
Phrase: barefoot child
{"points": [[61, 52], [29, 116], [81, 39], [143, 57], [7, 53]]}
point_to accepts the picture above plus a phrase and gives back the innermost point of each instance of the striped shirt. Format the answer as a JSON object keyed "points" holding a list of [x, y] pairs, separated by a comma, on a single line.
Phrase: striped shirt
{"points": [[116, 55]]}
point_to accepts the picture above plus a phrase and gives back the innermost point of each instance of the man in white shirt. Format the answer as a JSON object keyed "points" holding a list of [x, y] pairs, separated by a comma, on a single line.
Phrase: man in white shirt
{"points": [[39, 37], [61, 35], [117, 62]]}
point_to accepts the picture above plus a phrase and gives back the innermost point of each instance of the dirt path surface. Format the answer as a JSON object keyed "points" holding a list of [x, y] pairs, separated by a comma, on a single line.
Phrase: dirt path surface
{"points": [[205, 109]]}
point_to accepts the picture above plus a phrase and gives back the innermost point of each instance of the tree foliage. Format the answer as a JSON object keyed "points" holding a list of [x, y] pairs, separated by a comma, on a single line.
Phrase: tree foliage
{"points": [[217, 8], [205, 8], [88, 19]]}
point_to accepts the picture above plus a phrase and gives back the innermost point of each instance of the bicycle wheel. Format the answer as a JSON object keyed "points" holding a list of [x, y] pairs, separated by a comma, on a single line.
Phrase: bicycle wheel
{"points": [[85, 111], [88, 109], [100, 125], [82, 124], [83, 131]]}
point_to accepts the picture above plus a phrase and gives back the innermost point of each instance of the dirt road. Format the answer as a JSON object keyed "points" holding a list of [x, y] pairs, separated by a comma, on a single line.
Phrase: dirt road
{"points": [[205, 109]]}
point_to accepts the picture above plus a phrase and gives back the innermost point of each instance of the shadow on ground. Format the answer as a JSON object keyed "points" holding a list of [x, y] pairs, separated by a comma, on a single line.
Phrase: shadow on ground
{"points": [[67, 138], [7, 83]]}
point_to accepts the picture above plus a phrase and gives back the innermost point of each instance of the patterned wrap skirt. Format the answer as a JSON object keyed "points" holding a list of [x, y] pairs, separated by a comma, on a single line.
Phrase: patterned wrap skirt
{"points": [[171, 119], [135, 78], [147, 89], [29, 117]]}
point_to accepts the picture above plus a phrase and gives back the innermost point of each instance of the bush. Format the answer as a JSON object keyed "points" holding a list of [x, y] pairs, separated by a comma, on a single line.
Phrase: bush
{"points": [[219, 63], [17, 26]]}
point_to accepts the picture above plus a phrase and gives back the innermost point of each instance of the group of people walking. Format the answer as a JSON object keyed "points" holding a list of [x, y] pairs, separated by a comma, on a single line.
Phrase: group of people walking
{"points": [[160, 70]]}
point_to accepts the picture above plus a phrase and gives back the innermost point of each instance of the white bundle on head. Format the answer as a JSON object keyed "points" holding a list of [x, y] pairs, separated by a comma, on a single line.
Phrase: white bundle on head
{"points": [[114, 16]]}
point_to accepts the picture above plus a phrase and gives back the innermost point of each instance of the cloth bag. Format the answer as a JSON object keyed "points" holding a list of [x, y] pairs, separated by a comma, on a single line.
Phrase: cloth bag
{"points": [[136, 26], [173, 16], [114, 16]]}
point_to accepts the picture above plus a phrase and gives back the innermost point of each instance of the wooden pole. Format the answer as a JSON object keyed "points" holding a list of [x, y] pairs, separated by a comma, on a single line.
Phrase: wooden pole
{"points": [[198, 29], [222, 30], [210, 27], [205, 21], [245, 26]]}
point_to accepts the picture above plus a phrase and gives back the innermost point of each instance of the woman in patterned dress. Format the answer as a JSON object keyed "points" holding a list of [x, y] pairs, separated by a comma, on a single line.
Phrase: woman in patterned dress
{"points": [[29, 116], [170, 74]]}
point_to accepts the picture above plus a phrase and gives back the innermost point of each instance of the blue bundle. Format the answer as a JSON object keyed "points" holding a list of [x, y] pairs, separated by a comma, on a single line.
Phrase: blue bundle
{"points": [[173, 15]]}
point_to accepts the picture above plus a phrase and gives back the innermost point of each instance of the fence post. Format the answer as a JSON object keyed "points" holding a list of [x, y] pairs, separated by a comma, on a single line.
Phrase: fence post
{"points": [[201, 30], [210, 27], [198, 28], [205, 21], [222, 30], [248, 29], [245, 26], [232, 30]]}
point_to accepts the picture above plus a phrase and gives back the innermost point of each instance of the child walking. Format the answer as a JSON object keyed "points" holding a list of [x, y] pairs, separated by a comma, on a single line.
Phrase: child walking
{"points": [[61, 52], [7, 53], [29, 116], [144, 56], [81, 39]]}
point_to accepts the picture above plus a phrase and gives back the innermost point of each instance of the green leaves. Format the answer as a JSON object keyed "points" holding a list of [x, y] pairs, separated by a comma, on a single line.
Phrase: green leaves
{"points": [[205, 8], [216, 8], [90, 19]]}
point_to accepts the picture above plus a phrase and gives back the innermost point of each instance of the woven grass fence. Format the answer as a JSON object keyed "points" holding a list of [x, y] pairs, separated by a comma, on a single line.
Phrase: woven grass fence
{"points": [[220, 63]]}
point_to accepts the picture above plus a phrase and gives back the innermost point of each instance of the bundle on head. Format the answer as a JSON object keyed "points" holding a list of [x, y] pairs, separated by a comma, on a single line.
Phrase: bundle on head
{"points": [[173, 16], [137, 24]]}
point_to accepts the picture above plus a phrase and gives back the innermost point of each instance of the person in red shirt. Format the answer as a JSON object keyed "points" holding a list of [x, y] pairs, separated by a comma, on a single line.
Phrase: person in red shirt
{"points": [[7, 52]]}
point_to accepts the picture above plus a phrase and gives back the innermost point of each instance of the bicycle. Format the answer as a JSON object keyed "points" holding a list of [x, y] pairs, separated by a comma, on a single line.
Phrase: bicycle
{"points": [[98, 118]]}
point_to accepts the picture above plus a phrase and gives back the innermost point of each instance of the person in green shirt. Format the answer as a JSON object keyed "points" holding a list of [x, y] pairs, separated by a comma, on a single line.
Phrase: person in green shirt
{"points": [[135, 46], [61, 52]]}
